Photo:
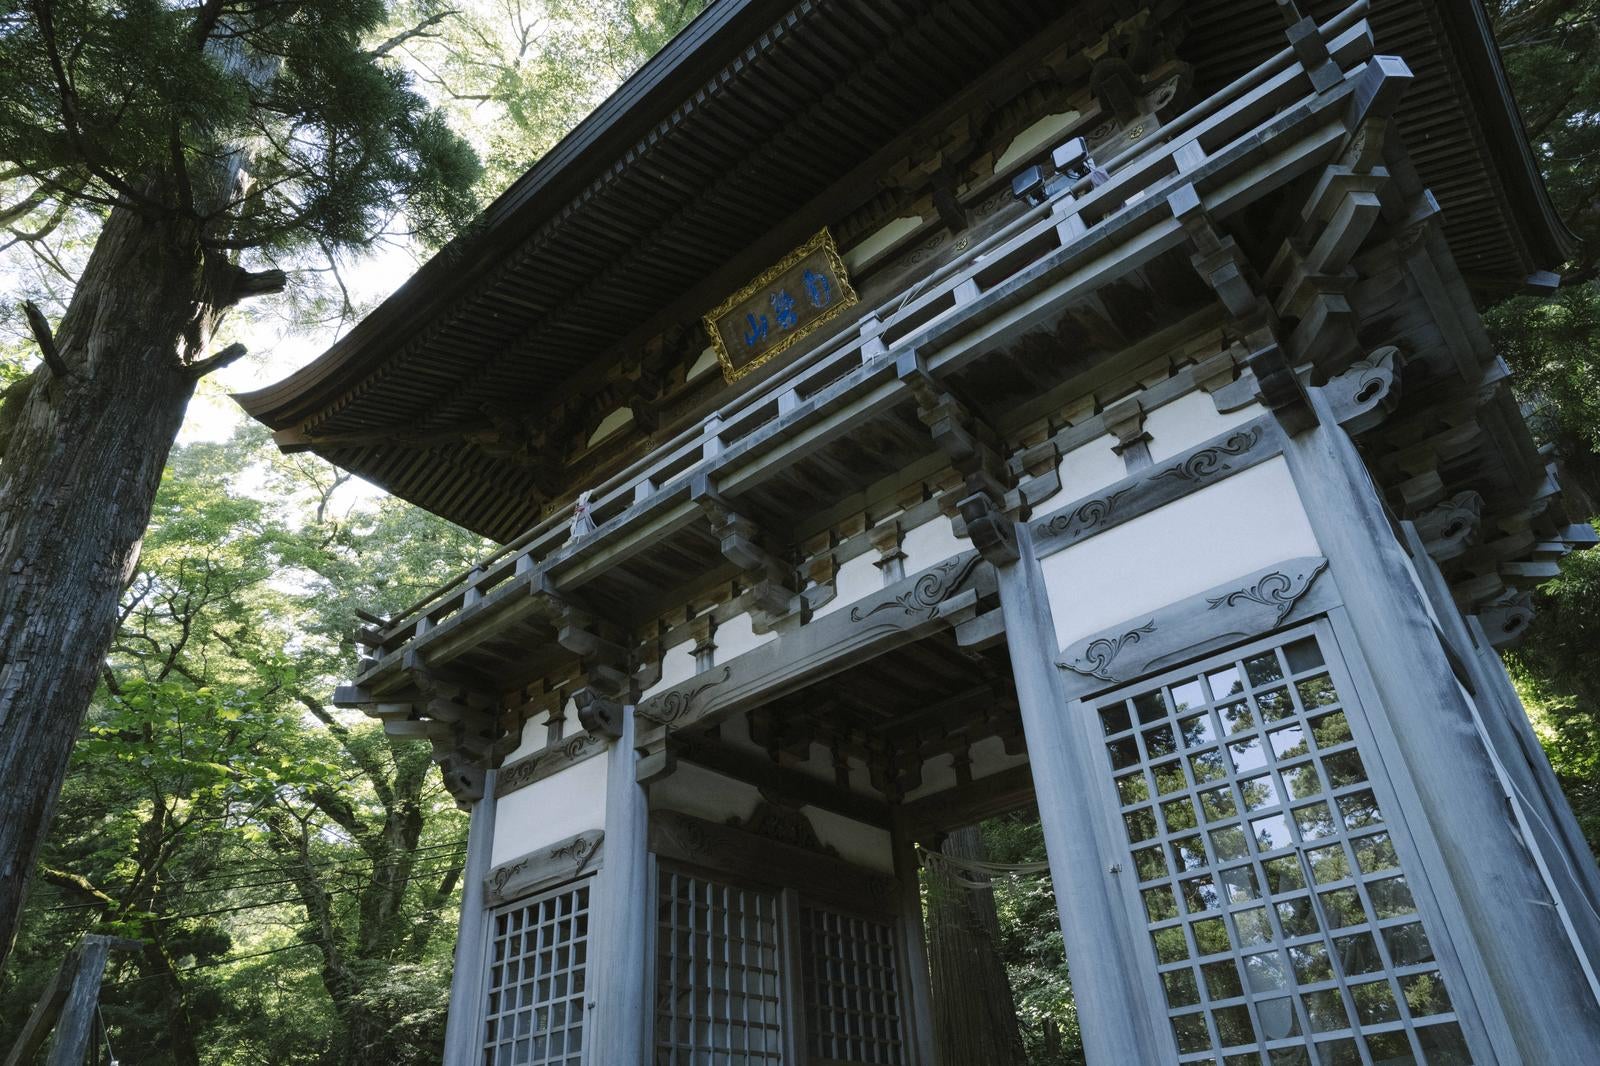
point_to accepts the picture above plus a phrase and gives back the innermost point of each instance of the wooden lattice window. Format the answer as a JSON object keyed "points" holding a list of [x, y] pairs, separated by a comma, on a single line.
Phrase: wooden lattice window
{"points": [[1283, 925], [852, 988], [718, 973], [539, 961]]}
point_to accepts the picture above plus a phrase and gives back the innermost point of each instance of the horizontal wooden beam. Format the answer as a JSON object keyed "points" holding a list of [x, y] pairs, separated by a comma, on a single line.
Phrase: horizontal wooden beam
{"points": [[969, 804], [796, 785]]}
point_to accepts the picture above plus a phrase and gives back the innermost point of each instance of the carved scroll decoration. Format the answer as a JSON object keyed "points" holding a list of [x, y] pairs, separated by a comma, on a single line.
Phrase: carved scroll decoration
{"points": [[1102, 652], [1143, 492], [1278, 589], [1255, 604], [542, 764], [1202, 464], [670, 706], [927, 592], [543, 867]]}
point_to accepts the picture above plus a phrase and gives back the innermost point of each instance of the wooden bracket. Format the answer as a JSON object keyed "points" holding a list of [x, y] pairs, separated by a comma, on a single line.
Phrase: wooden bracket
{"points": [[740, 538], [597, 713]]}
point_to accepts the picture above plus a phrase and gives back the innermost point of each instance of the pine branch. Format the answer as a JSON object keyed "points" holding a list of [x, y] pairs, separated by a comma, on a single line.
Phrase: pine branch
{"points": [[231, 354], [46, 340]]}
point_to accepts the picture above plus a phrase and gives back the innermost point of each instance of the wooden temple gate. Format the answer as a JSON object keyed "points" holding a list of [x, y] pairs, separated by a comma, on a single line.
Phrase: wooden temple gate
{"points": [[1119, 436]]}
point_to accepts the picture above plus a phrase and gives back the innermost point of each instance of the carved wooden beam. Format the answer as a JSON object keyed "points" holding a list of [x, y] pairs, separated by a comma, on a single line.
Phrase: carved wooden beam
{"points": [[797, 786], [977, 453], [942, 596]]}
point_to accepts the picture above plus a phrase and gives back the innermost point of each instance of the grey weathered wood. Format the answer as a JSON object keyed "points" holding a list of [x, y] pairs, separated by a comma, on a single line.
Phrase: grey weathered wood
{"points": [[1248, 606], [544, 867], [463, 1037], [619, 1017], [731, 850], [568, 751], [1220, 458], [918, 995], [804, 788], [1116, 1007], [45, 1011], [983, 798], [936, 598], [1520, 992], [75, 1026]]}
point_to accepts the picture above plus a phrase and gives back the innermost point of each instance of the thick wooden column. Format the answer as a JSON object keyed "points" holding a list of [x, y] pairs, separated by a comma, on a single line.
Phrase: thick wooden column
{"points": [[1122, 1016], [919, 1041], [619, 1020], [463, 1044], [1524, 981]]}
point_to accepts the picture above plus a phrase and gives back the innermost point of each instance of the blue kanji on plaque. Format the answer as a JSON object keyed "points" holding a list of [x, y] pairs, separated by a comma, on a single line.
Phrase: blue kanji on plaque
{"points": [[819, 290], [783, 304], [789, 300], [757, 331]]}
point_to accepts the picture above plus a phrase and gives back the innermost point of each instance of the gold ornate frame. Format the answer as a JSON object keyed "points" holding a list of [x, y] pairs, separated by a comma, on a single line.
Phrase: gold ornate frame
{"points": [[822, 241]]}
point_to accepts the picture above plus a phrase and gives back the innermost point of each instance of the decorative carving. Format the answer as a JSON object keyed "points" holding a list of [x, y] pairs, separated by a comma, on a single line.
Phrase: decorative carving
{"points": [[542, 867], [1278, 589], [1097, 658], [1086, 515], [928, 591], [1364, 395], [1506, 618], [542, 764], [1202, 464], [670, 706], [1450, 528], [598, 715], [1257, 603], [783, 823]]}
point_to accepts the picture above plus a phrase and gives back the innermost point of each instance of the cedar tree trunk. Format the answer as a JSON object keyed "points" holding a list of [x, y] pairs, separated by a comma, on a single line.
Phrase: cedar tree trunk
{"points": [[974, 1017], [81, 461]]}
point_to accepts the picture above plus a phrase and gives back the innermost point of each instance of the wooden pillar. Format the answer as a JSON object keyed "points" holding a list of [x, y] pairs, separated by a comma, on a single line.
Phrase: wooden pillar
{"points": [[463, 1042], [1524, 982], [1122, 1016], [1546, 817], [919, 1041], [619, 1015]]}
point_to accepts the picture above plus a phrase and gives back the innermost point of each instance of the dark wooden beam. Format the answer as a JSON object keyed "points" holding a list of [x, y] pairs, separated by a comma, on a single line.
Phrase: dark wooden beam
{"points": [[969, 804], [796, 785]]}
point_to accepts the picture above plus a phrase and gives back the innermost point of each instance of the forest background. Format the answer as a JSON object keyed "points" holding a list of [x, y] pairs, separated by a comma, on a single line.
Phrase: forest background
{"points": [[294, 877]]}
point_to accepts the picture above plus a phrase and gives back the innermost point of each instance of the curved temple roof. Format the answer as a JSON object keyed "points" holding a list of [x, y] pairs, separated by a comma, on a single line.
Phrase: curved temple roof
{"points": [[760, 122]]}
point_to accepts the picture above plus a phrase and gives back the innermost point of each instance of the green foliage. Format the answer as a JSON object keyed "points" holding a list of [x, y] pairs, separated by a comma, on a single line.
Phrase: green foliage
{"points": [[1031, 944], [143, 103], [217, 811], [520, 73]]}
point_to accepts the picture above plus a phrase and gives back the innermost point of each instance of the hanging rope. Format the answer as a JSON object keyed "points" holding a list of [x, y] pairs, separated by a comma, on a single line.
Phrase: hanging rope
{"points": [[105, 1034], [977, 873]]}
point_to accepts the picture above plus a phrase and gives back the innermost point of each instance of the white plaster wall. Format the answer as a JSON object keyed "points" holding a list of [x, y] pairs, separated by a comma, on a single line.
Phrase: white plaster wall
{"points": [[857, 578], [938, 774], [535, 732], [677, 664], [1248, 521], [881, 240], [1046, 132], [561, 805], [707, 794], [862, 844], [703, 793], [932, 542], [738, 635], [1189, 420], [989, 756], [1090, 467]]}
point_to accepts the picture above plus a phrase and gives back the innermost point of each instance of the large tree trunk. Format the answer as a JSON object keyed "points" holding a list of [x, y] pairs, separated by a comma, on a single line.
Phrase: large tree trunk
{"points": [[974, 1018], [78, 477]]}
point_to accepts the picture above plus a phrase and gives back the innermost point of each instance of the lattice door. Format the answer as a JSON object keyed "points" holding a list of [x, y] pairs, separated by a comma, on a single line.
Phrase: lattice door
{"points": [[537, 980], [718, 974], [852, 988], [1282, 923]]}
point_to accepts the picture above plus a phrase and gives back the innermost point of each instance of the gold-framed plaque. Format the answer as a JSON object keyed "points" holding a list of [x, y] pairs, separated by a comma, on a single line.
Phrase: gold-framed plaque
{"points": [[789, 300]]}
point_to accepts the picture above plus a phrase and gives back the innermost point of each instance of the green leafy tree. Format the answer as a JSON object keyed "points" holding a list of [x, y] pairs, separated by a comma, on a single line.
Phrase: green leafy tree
{"points": [[218, 811], [198, 143]]}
